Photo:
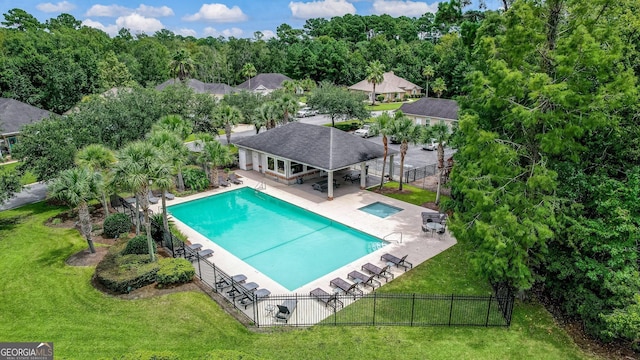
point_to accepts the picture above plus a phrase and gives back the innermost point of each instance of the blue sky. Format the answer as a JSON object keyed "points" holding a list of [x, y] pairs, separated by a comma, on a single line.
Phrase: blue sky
{"points": [[238, 18]]}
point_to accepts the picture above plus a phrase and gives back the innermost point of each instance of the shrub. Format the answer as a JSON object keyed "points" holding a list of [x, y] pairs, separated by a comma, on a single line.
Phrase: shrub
{"points": [[138, 245], [174, 271], [195, 179], [122, 273], [380, 98], [157, 227], [116, 224]]}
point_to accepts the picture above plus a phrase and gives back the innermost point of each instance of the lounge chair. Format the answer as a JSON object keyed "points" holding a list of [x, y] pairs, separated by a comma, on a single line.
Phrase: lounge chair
{"points": [[326, 298], [205, 253], [254, 298], [227, 281], [242, 289], [234, 179], [152, 198], [222, 181], [169, 196], [363, 279], [379, 272], [397, 261], [347, 287], [286, 310]]}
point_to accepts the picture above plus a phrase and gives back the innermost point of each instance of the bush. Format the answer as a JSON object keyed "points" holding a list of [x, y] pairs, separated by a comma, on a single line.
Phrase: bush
{"points": [[122, 273], [195, 179], [138, 245], [157, 227], [116, 224], [174, 271]]}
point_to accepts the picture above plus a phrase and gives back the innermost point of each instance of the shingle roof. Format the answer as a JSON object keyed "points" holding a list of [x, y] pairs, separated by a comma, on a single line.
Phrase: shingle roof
{"points": [[391, 84], [270, 81], [15, 114], [201, 87], [322, 147], [432, 107]]}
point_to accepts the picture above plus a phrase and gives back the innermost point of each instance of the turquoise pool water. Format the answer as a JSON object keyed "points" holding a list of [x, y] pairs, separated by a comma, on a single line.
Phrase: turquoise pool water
{"points": [[380, 210], [289, 244]]}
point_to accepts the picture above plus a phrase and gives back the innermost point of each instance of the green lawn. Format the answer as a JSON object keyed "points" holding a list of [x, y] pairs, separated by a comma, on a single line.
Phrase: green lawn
{"points": [[416, 196], [386, 106], [50, 301], [27, 178]]}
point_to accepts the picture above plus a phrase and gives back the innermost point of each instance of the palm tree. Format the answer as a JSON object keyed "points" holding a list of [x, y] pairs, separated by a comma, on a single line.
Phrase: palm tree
{"points": [[267, 113], [227, 116], [215, 154], [406, 131], [375, 75], [249, 71], [442, 134], [182, 66], [286, 105], [428, 73], [139, 165], [173, 151], [439, 86], [97, 158], [383, 125], [76, 186], [176, 124]]}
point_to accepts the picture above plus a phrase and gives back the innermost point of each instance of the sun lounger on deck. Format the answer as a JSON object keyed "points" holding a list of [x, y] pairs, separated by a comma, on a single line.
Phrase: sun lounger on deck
{"points": [[363, 279], [377, 271], [326, 298], [228, 281], [346, 286], [152, 198], [286, 310], [222, 181], [205, 253], [254, 298], [234, 179], [397, 261], [169, 196], [242, 289]]}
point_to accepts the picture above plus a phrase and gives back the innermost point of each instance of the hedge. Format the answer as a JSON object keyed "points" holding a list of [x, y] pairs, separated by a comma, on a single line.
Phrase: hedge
{"points": [[138, 245], [175, 271], [123, 273], [116, 224]]}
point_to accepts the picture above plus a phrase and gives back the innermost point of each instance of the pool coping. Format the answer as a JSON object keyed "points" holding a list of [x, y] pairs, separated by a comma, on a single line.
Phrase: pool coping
{"points": [[402, 230]]}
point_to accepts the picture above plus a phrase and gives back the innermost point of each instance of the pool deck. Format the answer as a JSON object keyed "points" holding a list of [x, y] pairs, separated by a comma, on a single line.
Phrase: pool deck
{"points": [[402, 230]]}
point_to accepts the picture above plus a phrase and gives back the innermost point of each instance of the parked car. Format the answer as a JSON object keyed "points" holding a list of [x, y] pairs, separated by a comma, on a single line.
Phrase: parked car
{"points": [[394, 140], [432, 145], [305, 112], [365, 131]]}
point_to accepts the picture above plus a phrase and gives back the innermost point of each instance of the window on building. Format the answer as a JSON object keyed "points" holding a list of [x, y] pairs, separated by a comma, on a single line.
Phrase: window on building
{"points": [[271, 163], [296, 168]]}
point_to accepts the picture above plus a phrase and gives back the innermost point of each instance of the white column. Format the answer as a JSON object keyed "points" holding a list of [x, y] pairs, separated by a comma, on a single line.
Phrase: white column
{"points": [[391, 169], [330, 185], [363, 175]]}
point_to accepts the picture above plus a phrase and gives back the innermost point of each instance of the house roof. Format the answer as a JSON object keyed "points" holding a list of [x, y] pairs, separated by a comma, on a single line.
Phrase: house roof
{"points": [[323, 147], [390, 84], [201, 87], [15, 114], [432, 107], [269, 81]]}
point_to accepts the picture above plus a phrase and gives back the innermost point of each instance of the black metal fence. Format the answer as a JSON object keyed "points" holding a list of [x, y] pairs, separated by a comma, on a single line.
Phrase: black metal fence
{"points": [[412, 175], [263, 309]]}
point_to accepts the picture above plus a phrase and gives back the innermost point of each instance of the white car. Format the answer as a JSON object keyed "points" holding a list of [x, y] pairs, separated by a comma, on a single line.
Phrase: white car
{"points": [[306, 111], [364, 131], [432, 145]]}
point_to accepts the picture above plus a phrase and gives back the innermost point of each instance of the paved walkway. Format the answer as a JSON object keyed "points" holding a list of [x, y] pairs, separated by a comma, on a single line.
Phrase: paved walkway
{"points": [[30, 194]]}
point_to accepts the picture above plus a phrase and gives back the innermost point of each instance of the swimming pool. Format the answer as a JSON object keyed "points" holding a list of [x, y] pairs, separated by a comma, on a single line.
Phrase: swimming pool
{"points": [[289, 244], [380, 209]]}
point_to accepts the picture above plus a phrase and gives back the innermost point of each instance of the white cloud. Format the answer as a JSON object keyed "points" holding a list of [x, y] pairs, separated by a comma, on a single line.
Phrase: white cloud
{"points": [[235, 32], [186, 32], [408, 8], [63, 6], [219, 13], [268, 34], [112, 30], [321, 8], [108, 11], [138, 24], [117, 10]]}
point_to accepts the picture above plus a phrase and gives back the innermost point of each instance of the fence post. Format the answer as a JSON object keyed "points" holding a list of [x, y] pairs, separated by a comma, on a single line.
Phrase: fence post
{"points": [[199, 269], [488, 311], [215, 278], [451, 309], [375, 296], [413, 306]]}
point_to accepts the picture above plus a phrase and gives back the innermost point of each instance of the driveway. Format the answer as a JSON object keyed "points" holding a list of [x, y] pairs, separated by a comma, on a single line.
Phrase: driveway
{"points": [[30, 194]]}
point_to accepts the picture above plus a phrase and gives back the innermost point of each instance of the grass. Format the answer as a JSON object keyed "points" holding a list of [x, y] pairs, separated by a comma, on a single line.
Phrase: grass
{"points": [[27, 178], [412, 195], [387, 106], [50, 301]]}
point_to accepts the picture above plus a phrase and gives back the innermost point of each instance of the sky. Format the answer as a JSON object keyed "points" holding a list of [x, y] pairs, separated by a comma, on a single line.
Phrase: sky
{"points": [[237, 18]]}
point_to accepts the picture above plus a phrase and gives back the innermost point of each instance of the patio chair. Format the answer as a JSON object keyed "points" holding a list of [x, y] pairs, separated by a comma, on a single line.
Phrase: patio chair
{"points": [[169, 196], [152, 198], [222, 181], [378, 272], [286, 310], [326, 298], [205, 253], [226, 281], [347, 287], [397, 261], [367, 280], [234, 179], [244, 289], [254, 298]]}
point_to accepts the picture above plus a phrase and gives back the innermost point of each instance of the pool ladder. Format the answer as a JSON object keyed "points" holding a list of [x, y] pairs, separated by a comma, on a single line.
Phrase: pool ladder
{"points": [[390, 240], [261, 186]]}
